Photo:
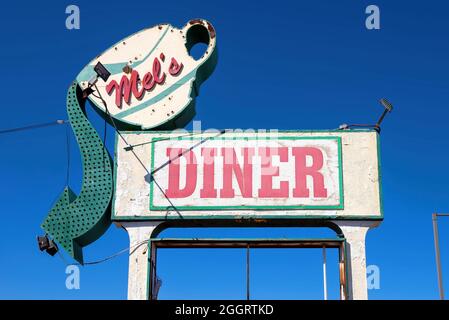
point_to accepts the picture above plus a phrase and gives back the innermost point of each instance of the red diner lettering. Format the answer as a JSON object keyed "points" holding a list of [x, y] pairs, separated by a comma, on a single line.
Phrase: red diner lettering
{"points": [[208, 190], [268, 171], [302, 171], [243, 175], [174, 189]]}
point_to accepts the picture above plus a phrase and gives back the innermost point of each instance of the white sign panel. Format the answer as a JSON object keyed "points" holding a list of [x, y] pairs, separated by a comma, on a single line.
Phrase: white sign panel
{"points": [[229, 175]]}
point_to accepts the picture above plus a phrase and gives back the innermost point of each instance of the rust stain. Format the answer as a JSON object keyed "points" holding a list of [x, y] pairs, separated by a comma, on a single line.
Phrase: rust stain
{"points": [[127, 69], [211, 30], [342, 276], [245, 220], [196, 21]]}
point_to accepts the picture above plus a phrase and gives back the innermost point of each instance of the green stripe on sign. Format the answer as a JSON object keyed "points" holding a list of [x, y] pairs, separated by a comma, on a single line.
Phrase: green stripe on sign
{"points": [[157, 98]]}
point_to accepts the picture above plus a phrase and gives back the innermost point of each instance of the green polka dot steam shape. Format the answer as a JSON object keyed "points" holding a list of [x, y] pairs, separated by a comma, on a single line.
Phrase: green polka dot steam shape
{"points": [[76, 221]]}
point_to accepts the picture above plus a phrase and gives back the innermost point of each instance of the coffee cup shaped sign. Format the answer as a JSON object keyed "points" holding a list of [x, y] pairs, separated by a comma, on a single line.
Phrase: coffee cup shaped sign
{"points": [[154, 80]]}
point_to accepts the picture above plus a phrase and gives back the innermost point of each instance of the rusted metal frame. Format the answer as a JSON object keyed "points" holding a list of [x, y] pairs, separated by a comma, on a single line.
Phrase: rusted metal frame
{"points": [[249, 223], [244, 243], [339, 244], [153, 272], [343, 268]]}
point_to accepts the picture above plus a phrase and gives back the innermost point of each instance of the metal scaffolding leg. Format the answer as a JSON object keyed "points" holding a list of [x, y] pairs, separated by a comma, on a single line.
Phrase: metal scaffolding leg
{"points": [[437, 254]]}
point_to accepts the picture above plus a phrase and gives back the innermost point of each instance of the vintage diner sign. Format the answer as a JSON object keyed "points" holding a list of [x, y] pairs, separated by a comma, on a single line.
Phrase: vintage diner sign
{"points": [[330, 174], [146, 81], [154, 80]]}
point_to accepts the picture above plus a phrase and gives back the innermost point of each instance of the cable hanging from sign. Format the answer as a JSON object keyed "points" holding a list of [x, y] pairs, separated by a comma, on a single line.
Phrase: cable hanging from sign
{"points": [[43, 125], [112, 256], [130, 148], [67, 136]]}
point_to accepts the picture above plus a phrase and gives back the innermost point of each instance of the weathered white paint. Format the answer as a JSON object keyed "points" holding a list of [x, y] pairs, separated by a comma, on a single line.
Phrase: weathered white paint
{"points": [[355, 234], [133, 178], [139, 234], [360, 186]]}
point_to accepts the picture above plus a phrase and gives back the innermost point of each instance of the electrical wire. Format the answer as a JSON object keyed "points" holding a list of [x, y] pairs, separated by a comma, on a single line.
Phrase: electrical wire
{"points": [[33, 126], [130, 148], [109, 114], [118, 253], [133, 248], [105, 128], [349, 126], [136, 246], [151, 174], [67, 132], [60, 255]]}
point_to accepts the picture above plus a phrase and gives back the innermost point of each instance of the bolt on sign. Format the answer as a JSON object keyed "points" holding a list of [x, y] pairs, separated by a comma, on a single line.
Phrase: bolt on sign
{"points": [[323, 174]]}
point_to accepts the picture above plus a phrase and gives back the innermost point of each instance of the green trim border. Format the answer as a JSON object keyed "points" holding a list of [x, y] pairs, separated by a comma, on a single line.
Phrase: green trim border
{"points": [[340, 206]]}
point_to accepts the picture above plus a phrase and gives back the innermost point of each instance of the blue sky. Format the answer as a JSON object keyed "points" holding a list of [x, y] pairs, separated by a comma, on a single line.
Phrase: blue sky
{"points": [[282, 64]]}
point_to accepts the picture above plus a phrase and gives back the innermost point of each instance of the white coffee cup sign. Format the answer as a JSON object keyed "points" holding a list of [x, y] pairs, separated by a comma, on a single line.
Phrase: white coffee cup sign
{"points": [[154, 80]]}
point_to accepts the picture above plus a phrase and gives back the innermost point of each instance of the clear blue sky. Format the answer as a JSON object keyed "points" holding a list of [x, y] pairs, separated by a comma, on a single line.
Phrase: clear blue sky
{"points": [[282, 64]]}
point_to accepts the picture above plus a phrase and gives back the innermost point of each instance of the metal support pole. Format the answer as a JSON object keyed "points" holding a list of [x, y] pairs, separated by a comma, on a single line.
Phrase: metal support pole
{"points": [[437, 254], [247, 272], [153, 275], [342, 271], [324, 274]]}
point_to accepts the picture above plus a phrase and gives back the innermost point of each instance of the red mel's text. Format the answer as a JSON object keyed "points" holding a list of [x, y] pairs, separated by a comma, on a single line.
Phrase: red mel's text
{"points": [[137, 86]]}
